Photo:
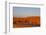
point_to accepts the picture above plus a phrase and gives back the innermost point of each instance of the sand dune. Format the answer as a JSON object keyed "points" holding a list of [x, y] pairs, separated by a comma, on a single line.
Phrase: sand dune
{"points": [[33, 21]]}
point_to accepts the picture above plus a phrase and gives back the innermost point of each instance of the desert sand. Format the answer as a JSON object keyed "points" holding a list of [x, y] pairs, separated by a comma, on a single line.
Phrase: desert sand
{"points": [[33, 21]]}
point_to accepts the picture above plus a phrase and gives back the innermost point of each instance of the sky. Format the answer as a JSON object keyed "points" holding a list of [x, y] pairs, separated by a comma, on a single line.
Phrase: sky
{"points": [[26, 11]]}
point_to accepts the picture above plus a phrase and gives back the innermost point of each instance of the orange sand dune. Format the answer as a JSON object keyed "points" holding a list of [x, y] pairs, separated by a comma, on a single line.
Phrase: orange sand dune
{"points": [[34, 20]]}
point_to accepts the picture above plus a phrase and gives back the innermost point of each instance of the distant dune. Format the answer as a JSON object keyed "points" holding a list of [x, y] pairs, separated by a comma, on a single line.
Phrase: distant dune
{"points": [[33, 21]]}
